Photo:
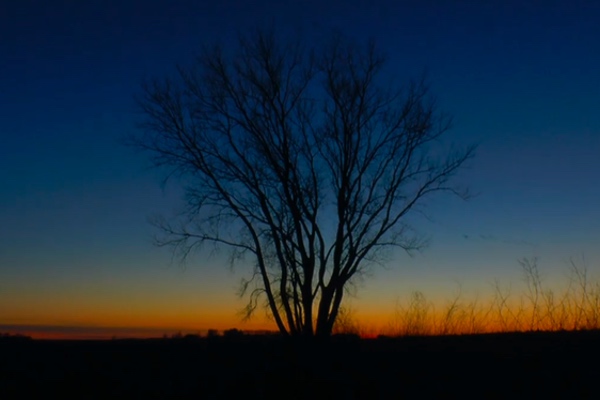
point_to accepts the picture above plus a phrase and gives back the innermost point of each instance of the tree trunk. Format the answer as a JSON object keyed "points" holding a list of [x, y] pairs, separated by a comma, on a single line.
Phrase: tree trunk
{"points": [[323, 329], [307, 304]]}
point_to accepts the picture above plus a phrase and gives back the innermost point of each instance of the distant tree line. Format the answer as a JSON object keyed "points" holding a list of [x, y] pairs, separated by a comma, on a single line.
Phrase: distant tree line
{"points": [[13, 336]]}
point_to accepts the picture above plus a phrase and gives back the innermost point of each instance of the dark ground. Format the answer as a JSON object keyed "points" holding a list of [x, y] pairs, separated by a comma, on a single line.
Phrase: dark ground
{"points": [[532, 365]]}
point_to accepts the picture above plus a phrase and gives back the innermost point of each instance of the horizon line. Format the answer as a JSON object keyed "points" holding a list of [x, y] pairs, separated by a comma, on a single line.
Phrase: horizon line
{"points": [[83, 332]]}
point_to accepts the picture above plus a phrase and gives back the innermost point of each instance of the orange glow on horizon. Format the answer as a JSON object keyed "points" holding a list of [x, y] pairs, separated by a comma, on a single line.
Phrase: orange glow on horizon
{"points": [[468, 320], [571, 306]]}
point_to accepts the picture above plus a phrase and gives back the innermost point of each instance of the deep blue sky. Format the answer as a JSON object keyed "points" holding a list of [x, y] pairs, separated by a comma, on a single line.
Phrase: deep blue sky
{"points": [[522, 78]]}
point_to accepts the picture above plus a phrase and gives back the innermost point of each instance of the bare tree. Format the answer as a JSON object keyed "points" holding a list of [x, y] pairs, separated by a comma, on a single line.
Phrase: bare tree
{"points": [[307, 159]]}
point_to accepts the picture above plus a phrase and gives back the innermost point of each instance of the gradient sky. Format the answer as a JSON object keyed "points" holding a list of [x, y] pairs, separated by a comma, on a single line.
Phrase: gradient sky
{"points": [[521, 78]]}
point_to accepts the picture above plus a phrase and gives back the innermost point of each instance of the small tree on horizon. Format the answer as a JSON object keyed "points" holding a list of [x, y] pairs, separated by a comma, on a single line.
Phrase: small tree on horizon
{"points": [[307, 159]]}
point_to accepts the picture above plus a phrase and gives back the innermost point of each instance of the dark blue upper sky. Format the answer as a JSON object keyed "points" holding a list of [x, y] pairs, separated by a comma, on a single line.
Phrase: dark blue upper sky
{"points": [[522, 78]]}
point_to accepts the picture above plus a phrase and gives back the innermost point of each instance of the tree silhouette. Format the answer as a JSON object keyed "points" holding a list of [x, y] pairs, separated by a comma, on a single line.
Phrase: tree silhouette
{"points": [[305, 158]]}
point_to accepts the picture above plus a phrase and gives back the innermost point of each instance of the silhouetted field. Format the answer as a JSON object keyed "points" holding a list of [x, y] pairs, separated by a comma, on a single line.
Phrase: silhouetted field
{"points": [[522, 365]]}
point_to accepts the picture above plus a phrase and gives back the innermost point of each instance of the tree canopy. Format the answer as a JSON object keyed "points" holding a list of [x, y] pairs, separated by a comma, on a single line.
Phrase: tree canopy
{"points": [[304, 159]]}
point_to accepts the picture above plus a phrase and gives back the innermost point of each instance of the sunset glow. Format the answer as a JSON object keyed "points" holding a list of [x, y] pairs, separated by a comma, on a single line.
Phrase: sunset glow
{"points": [[77, 252]]}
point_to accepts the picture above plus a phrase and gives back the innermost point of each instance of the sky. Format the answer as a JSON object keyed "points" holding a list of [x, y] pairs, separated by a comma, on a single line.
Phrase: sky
{"points": [[520, 78]]}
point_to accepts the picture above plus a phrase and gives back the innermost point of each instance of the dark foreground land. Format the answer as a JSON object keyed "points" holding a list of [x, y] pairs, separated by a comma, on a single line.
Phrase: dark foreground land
{"points": [[532, 365]]}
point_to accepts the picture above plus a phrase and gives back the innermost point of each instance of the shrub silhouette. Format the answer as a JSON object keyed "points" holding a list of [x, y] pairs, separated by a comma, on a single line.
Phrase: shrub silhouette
{"points": [[574, 306]]}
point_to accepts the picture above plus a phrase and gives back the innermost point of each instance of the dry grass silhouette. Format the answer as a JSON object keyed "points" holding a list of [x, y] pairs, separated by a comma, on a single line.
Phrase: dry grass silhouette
{"points": [[572, 305]]}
